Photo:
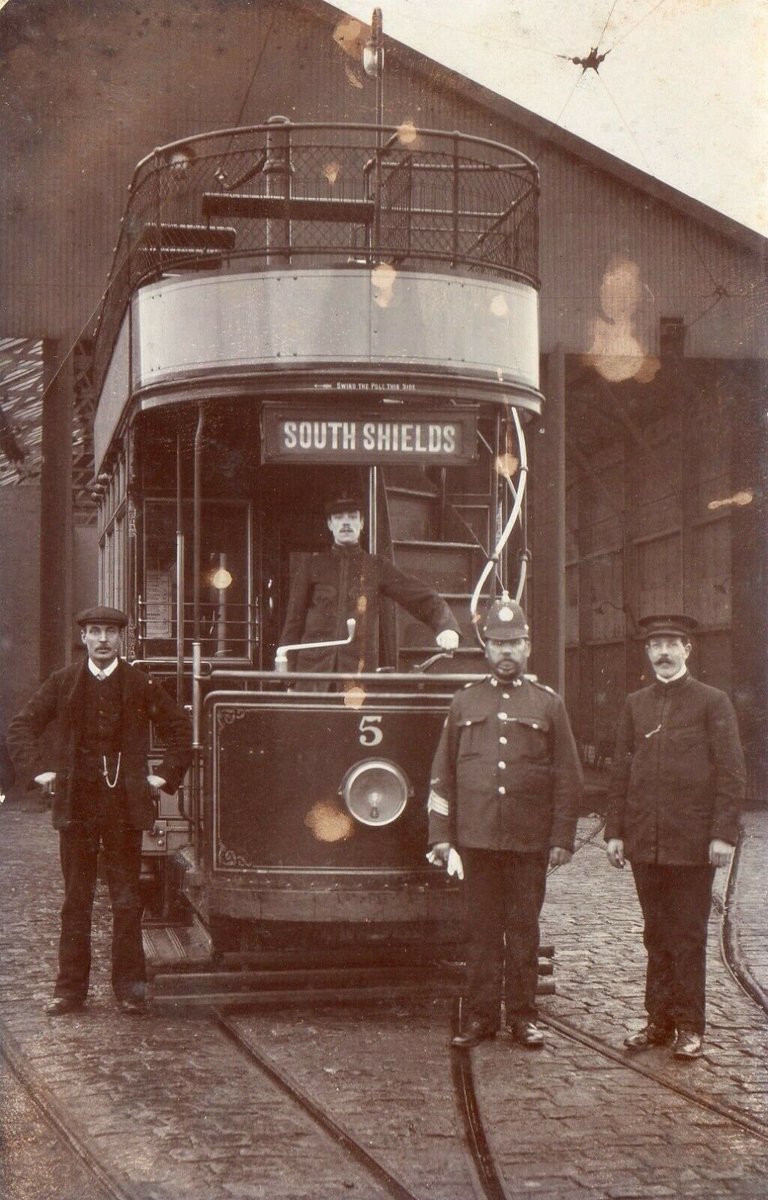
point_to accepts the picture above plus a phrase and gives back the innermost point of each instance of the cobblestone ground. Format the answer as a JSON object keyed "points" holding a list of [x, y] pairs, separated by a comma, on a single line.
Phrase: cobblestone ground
{"points": [[179, 1113], [748, 906], [35, 1163]]}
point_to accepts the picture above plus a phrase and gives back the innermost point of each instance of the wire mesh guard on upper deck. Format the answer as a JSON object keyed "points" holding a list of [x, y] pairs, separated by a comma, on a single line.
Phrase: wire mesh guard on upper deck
{"points": [[280, 195]]}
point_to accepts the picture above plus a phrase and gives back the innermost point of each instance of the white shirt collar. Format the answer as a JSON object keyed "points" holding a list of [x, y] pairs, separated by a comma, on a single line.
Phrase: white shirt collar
{"points": [[671, 679], [103, 671]]}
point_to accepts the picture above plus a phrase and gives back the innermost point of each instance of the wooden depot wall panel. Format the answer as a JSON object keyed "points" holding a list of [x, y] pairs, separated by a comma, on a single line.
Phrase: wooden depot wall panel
{"points": [[660, 574], [572, 604], [607, 497], [709, 434], [654, 478], [710, 586], [609, 689]]}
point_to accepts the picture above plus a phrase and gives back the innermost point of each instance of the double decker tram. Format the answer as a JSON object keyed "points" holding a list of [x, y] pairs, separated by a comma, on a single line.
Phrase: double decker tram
{"points": [[296, 311]]}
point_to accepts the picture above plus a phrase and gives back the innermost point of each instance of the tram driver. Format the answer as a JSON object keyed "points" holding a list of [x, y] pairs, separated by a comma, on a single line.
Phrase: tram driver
{"points": [[346, 581]]}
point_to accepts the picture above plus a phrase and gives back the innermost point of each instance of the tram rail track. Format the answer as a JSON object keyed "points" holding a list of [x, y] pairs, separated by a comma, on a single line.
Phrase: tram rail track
{"points": [[488, 1175], [115, 1185], [386, 1178], [730, 947], [632, 1062]]}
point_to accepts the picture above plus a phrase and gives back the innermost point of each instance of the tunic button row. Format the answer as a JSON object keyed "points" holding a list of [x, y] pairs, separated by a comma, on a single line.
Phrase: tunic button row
{"points": [[502, 791], [502, 716], [503, 741], [502, 766]]}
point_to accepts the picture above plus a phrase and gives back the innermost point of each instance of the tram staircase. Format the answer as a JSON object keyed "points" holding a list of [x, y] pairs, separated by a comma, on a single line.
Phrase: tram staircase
{"points": [[441, 536]]}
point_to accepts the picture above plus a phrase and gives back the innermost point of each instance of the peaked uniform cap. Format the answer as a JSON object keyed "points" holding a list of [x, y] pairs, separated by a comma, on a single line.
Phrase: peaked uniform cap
{"points": [[505, 621], [343, 504], [100, 614], [667, 625]]}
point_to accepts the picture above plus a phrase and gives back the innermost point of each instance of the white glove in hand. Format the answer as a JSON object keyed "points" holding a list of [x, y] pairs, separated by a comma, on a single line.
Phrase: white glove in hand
{"points": [[46, 778], [448, 639], [155, 781], [455, 866], [438, 855]]}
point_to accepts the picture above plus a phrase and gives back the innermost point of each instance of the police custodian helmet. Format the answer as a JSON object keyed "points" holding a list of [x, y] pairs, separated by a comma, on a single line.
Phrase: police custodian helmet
{"points": [[505, 621]]}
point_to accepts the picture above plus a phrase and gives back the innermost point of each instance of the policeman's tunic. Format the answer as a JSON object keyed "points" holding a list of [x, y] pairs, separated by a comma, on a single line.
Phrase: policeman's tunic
{"points": [[506, 775], [506, 784]]}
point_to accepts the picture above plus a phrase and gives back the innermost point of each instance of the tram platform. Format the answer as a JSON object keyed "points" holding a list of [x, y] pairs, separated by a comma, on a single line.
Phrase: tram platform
{"points": [[102, 1067]]}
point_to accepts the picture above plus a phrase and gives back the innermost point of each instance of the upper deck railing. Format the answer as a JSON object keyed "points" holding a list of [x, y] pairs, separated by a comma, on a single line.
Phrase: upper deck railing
{"points": [[291, 195]]}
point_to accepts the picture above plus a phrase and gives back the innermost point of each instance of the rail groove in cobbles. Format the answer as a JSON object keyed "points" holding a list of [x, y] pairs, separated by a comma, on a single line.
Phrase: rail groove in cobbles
{"points": [[174, 1114], [350, 1144]]}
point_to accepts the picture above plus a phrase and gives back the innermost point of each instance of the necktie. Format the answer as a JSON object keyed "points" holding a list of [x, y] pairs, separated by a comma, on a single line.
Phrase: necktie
{"points": [[101, 675]]}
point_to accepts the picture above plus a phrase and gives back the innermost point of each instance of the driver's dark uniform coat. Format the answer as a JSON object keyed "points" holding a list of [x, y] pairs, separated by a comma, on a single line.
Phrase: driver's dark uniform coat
{"points": [[678, 775], [343, 582]]}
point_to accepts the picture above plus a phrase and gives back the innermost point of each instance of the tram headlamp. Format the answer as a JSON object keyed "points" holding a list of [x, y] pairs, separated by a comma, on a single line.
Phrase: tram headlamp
{"points": [[375, 791]]}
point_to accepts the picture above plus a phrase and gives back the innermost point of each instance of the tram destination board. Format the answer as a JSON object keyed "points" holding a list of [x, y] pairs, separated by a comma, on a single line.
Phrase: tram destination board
{"points": [[315, 435]]}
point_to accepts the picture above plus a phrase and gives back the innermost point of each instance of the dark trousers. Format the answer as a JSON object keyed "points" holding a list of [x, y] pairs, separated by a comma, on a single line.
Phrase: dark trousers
{"points": [[503, 897], [79, 846], [676, 903]]}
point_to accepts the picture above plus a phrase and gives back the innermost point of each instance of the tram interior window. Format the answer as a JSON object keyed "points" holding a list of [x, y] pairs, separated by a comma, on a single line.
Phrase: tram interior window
{"points": [[226, 616], [111, 557]]}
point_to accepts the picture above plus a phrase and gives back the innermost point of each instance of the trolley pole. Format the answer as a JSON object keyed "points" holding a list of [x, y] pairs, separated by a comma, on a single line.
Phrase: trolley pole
{"points": [[278, 171], [373, 65]]}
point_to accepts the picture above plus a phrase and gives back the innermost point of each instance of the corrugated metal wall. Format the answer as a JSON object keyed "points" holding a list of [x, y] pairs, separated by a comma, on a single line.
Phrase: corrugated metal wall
{"points": [[89, 88]]}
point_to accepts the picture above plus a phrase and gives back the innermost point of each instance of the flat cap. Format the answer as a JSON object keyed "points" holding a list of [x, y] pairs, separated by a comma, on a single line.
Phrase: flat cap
{"points": [[505, 621], [343, 504], [101, 614], [667, 625]]}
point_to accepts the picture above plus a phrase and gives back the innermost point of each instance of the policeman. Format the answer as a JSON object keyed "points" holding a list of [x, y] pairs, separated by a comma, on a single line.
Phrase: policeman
{"points": [[101, 710], [346, 581], [677, 783], [505, 791]]}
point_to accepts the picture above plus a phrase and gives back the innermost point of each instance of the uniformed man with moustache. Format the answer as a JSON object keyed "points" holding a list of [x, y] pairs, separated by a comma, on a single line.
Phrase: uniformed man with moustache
{"points": [[505, 792], [101, 711], [677, 785], [346, 581]]}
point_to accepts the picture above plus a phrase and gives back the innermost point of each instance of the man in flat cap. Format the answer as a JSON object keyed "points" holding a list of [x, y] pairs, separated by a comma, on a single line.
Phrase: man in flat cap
{"points": [[504, 800], [677, 784], [101, 710], [346, 581]]}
